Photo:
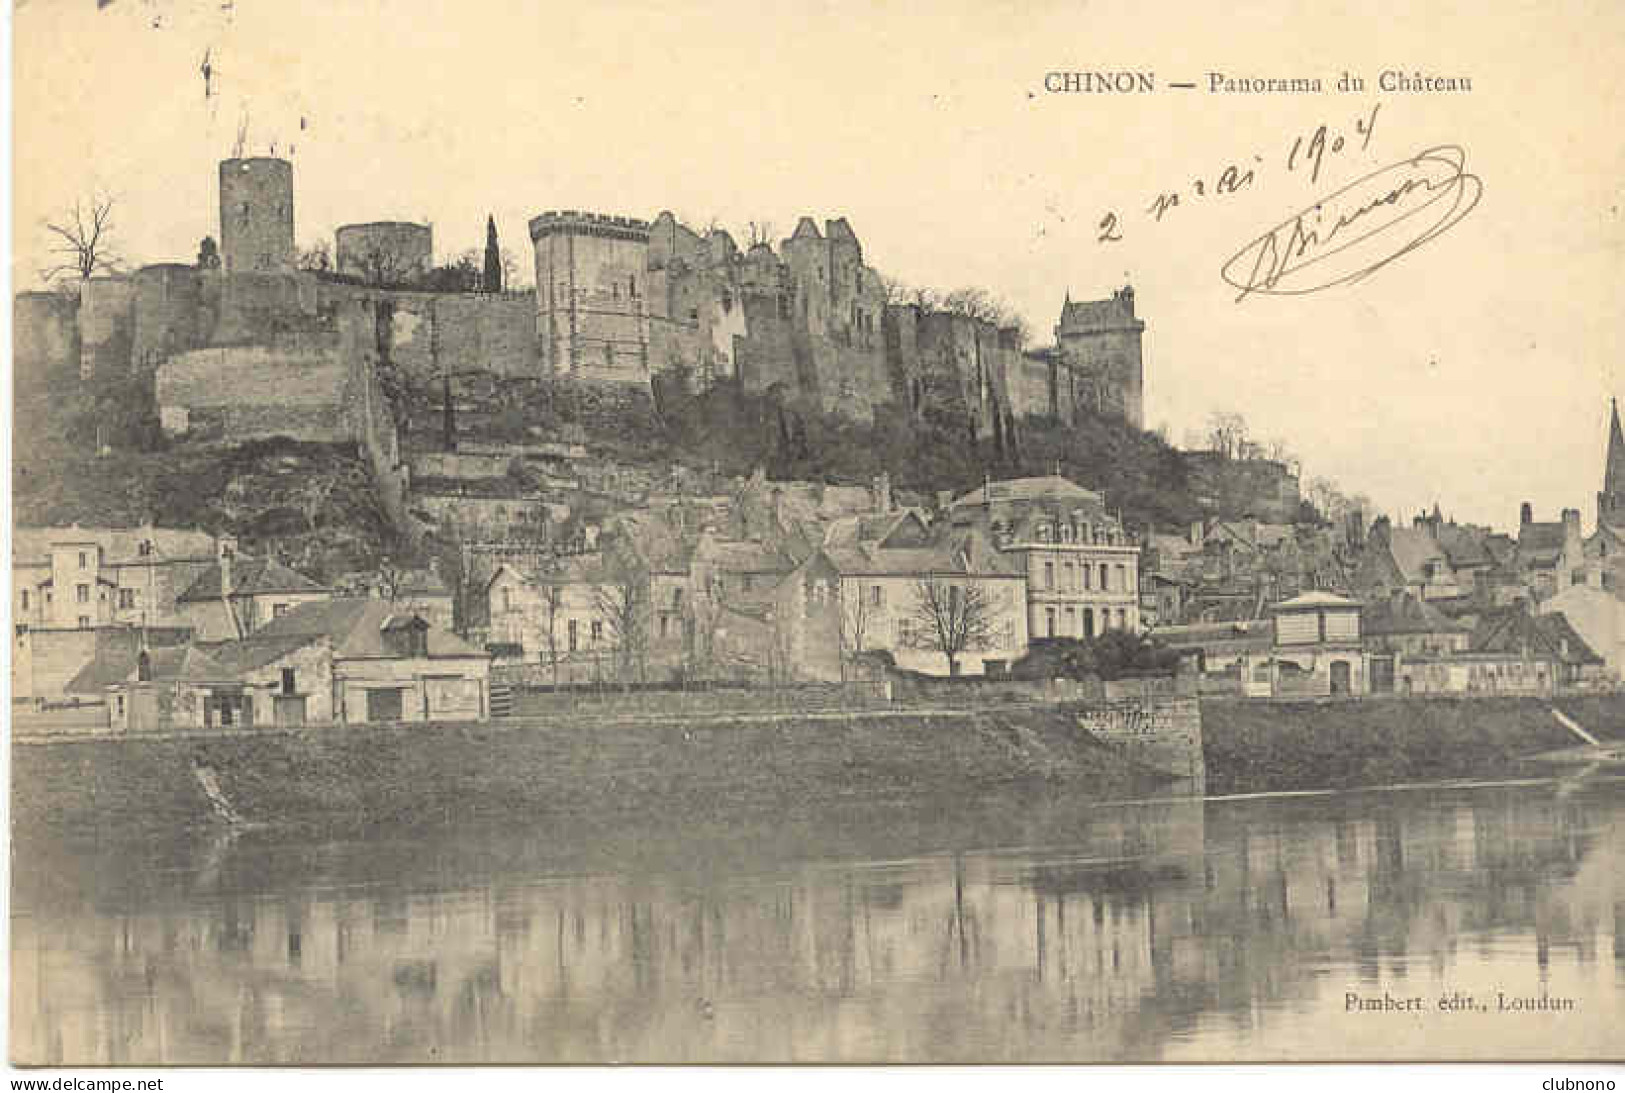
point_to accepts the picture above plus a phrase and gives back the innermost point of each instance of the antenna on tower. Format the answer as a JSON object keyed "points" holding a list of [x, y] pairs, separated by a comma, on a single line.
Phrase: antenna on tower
{"points": [[242, 137]]}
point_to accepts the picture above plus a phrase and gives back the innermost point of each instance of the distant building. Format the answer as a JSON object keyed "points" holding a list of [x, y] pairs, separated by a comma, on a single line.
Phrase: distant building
{"points": [[592, 317], [1598, 616], [256, 215], [1099, 342], [1082, 567], [866, 596], [1550, 556], [1318, 647], [348, 661], [70, 586], [238, 594]]}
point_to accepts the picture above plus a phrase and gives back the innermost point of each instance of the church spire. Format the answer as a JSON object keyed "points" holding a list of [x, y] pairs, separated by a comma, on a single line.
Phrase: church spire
{"points": [[1611, 502], [1614, 481]]}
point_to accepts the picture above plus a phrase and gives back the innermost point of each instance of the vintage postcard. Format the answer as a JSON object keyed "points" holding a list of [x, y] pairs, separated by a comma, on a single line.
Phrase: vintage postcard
{"points": [[816, 533]]}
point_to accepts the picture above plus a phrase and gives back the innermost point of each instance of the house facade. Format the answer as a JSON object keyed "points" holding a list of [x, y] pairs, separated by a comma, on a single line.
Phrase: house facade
{"points": [[918, 604], [237, 594], [1317, 649], [1082, 568]]}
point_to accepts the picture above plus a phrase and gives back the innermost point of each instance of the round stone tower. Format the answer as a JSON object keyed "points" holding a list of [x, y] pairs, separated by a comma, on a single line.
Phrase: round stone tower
{"points": [[256, 215], [387, 252]]}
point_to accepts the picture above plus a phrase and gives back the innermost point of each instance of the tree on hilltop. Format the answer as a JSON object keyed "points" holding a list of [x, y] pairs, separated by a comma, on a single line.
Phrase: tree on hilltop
{"points": [[83, 240]]}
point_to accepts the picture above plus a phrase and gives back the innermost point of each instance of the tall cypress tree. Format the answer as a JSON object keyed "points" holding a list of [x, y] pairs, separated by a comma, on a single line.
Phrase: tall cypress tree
{"points": [[493, 257]]}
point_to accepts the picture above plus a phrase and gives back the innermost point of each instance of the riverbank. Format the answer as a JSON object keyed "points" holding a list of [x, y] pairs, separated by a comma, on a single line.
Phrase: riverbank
{"points": [[338, 782], [1255, 747], [354, 780]]}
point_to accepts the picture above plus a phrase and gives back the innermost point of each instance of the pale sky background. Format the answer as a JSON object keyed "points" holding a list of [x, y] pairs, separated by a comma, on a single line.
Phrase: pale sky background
{"points": [[1474, 372]]}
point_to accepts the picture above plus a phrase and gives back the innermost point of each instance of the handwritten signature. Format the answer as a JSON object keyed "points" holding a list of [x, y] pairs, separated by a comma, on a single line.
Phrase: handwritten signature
{"points": [[1355, 231]]}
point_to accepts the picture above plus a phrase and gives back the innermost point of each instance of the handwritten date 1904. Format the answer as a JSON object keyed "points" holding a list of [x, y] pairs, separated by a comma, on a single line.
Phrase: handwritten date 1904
{"points": [[1306, 151]]}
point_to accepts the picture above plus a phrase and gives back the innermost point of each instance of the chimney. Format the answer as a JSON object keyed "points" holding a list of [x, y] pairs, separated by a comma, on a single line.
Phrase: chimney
{"points": [[881, 487], [1526, 514], [1196, 533], [225, 551]]}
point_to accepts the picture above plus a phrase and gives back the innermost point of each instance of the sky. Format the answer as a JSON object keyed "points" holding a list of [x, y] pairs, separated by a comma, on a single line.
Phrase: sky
{"points": [[1473, 372]]}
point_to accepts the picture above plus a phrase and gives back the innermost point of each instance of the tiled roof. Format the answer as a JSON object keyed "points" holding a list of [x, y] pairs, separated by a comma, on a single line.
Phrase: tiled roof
{"points": [[1041, 487], [119, 545], [1412, 549], [1515, 630], [356, 628], [1464, 546], [257, 650], [249, 577], [1540, 541], [1405, 614], [967, 553], [744, 556], [1094, 314], [1312, 600]]}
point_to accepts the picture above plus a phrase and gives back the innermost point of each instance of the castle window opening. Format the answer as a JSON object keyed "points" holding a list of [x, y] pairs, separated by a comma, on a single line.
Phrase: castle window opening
{"points": [[84, 622], [83, 592], [25, 599], [597, 631], [81, 559]]}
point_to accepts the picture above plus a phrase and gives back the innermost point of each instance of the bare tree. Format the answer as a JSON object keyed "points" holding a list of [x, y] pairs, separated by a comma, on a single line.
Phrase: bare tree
{"points": [[896, 291], [975, 303], [313, 494], [1226, 433], [83, 240], [622, 603], [550, 590], [702, 626], [514, 271], [951, 617], [855, 619], [1327, 498], [385, 267]]}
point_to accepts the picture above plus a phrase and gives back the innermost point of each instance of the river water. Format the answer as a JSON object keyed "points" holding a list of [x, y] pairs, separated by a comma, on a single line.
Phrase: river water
{"points": [[1006, 929]]}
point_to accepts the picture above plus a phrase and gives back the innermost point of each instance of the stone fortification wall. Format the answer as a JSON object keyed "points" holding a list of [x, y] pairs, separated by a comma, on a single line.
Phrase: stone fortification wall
{"points": [[242, 392], [44, 337], [106, 326]]}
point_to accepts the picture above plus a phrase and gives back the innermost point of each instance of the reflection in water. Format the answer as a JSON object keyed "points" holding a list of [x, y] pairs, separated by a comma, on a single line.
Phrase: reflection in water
{"points": [[1162, 930]]}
